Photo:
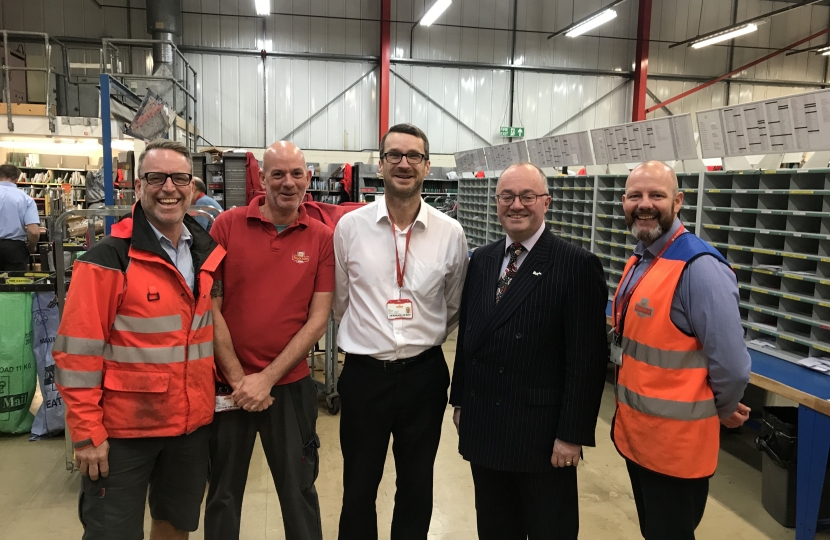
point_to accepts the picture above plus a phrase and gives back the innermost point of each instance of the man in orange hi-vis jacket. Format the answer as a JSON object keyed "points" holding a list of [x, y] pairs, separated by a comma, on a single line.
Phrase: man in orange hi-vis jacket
{"points": [[683, 363], [134, 359]]}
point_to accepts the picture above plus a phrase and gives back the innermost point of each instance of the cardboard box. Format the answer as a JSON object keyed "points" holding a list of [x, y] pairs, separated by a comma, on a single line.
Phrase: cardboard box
{"points": [[74, 162], [49, 161]]}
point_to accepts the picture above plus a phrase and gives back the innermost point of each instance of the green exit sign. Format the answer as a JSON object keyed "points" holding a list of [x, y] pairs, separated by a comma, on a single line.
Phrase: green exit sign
{"points": [[511, 132]]}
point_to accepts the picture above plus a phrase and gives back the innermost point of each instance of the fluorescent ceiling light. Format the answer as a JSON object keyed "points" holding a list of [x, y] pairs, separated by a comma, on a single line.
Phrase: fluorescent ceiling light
{"points": [[439, 7], [740, 31], [64, 145], [589, 24], [263, 7]]}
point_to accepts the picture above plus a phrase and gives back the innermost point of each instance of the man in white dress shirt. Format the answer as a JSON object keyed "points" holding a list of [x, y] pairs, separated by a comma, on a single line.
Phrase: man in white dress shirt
{"points": [[399, 273]]}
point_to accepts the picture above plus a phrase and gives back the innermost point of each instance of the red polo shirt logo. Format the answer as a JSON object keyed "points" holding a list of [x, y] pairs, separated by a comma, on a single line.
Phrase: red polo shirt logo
{"points": [[300, 257]]}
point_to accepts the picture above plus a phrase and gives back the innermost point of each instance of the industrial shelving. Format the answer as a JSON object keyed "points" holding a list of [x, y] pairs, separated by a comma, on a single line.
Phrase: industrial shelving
{"points": [[772, 226]]}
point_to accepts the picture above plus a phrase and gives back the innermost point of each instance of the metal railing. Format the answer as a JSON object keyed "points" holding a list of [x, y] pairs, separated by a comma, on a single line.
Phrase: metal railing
{"points": [[7, 91], [110, 64]]}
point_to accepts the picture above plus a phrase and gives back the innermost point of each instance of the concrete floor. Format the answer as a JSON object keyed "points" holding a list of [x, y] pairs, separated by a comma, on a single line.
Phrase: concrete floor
{"points": [[39, 497]]}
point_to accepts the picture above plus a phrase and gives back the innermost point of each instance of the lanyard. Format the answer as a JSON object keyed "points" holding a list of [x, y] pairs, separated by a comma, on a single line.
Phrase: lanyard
{"points": [[401, 270], [619, 314]]}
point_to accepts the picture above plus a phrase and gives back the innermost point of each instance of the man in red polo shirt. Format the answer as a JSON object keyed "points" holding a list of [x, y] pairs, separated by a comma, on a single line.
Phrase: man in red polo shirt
{"points": [[271, 301]]}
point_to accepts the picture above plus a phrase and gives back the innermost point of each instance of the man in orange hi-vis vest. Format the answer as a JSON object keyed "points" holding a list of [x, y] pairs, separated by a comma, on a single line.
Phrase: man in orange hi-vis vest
{"points": [[134, 360], [682, 361]]}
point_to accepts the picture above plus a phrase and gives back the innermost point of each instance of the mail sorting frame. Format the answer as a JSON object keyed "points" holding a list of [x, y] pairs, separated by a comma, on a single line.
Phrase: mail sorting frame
{"points": [[774, 229], [759, 221]]}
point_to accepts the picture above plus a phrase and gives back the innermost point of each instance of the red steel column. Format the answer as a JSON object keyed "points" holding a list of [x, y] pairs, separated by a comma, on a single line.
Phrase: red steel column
{"points": [[385, 54], [638, 110]]}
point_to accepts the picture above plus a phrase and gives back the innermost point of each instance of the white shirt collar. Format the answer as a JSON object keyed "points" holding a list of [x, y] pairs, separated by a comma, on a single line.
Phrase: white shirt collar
{"points": [[529, 243], [422, 217]]}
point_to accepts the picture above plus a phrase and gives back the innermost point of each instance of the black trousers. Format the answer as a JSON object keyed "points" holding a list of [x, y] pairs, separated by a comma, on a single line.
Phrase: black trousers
{"points": [[14, 256], [409, 405], [293, 463], [669, 508], [522, 506]]}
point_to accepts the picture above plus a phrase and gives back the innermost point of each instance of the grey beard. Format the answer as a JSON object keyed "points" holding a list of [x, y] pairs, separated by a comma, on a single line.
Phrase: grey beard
{"points": [[645, 235]]}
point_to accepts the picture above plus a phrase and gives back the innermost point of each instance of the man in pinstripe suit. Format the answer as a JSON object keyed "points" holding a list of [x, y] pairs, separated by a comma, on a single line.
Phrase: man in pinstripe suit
{"points": [[529, 368]]}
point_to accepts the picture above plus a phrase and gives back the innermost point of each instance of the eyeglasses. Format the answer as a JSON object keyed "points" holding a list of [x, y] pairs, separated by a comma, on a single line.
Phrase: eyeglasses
{"points": [[527, 199], [413, 158], [159, 178]]}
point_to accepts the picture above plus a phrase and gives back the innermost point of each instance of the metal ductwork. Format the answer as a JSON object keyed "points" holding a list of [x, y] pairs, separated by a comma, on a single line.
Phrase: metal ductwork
{"points": [[164, 22]]}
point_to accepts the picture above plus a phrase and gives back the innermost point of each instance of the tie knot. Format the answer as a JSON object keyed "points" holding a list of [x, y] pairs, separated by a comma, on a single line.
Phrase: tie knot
{"points": [[515, 250]]}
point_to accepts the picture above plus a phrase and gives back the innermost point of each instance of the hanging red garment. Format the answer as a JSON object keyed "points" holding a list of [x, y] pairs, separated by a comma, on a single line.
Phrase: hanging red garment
{"points": [[330, 214], [253, 186]]}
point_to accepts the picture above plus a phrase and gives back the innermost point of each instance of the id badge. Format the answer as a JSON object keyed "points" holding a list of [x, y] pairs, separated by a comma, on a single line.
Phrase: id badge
{"points": [[224, 400], [616, 354], [399, 309]]}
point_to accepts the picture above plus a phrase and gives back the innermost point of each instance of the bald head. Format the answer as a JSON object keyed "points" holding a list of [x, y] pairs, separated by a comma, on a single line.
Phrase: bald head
{"points": [[286, 178], [529, 171], [656, 171], [651, 201], [282, 150]]}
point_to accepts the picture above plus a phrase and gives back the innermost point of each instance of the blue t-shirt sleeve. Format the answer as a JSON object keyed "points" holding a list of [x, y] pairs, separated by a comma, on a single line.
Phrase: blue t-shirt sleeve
{"points": [[709, 295], [30, 215]]}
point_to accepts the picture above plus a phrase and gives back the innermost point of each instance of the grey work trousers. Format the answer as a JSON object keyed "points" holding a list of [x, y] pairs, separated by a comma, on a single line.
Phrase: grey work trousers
{"points": [[292, 460]]}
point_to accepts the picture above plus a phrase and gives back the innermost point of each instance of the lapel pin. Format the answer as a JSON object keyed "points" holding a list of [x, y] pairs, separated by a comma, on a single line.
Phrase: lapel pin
{"points": [[537, 273]]}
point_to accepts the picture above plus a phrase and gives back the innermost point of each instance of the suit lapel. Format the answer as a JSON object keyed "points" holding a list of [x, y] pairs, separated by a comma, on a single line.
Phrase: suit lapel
{"points": [[529, 275], [492, 268]]}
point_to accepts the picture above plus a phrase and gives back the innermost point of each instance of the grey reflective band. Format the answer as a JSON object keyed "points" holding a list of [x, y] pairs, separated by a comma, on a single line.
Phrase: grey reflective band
{"points": [[75, 345], [662, 358], [144, 355], [147, 325], [664, 408], [199, 350], [201, 321], [70, 378]]}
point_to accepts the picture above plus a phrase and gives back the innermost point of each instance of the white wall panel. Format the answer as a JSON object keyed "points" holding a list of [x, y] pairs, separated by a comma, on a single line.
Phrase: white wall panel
{"points": [[296, 89]]}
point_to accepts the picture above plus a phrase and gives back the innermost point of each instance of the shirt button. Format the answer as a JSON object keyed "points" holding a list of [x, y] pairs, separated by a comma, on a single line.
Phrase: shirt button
{"points": [[182, 294], [519, 335], [498, 402], [474, 361], [472, 394], [501, 370]]}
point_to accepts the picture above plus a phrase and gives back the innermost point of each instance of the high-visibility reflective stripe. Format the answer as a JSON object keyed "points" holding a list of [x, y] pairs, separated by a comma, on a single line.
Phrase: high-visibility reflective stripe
{"points": [[147, 325], [76, 345], [202, 321], [662, 358], [663, 408], [145, 355], [199, 350], [78, 379]]}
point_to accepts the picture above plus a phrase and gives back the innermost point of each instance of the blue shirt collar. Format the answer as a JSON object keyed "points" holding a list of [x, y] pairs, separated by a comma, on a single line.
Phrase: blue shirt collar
{"points": [[185, 236]]}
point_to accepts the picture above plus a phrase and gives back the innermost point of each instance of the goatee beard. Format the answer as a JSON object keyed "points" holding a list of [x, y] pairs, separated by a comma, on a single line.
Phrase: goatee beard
{"points": [[664, 223]]}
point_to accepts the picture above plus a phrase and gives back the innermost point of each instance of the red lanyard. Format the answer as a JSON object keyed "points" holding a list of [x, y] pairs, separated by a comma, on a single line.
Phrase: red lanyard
{"points": [[621, 308], [400, 270]]}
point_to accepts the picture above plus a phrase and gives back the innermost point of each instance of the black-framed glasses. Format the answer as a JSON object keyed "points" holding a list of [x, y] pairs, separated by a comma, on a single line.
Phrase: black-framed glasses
{"points": [[527, 199], [159, 178], [413, 158]]}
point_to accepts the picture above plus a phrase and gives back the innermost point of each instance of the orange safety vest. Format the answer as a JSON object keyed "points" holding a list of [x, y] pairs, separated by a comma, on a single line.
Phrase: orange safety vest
{"points": [[666, 420], [134, 350]]}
